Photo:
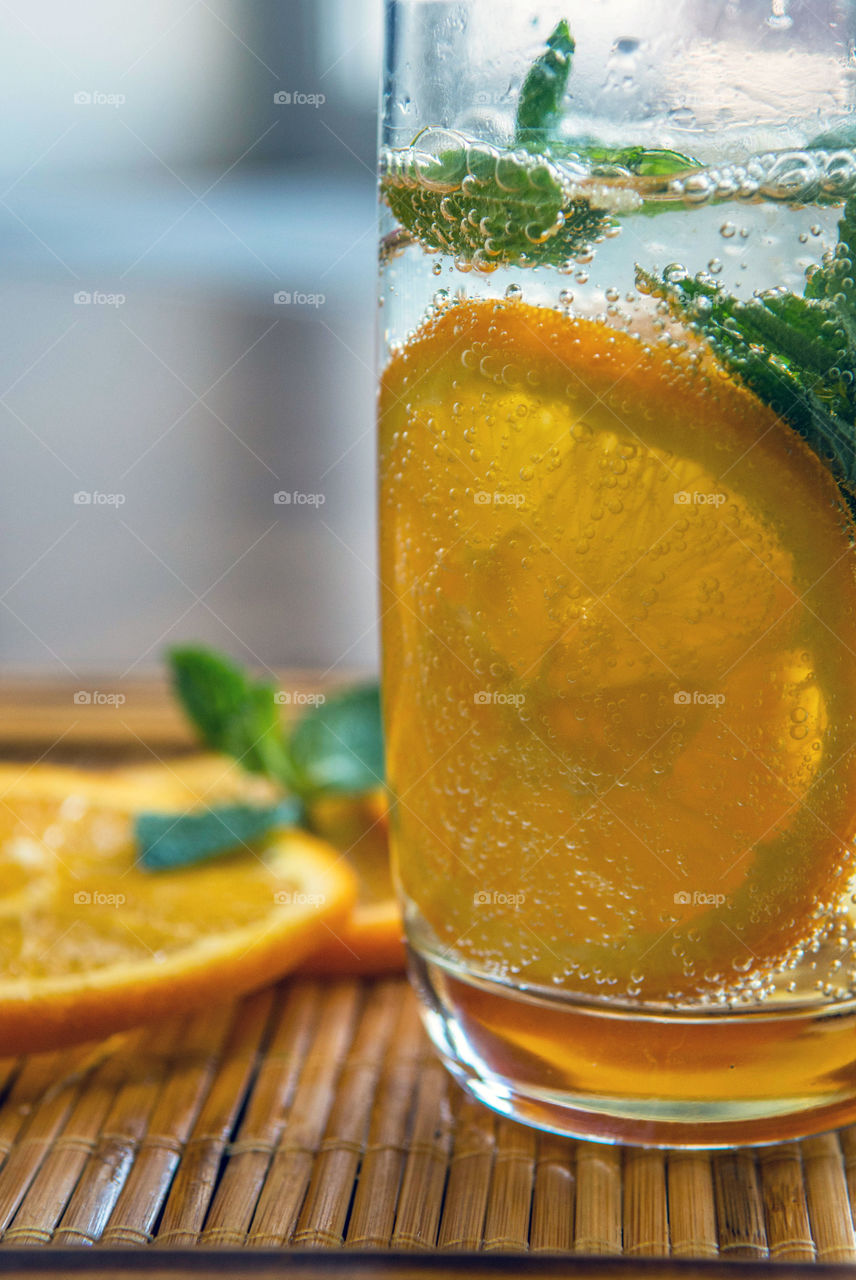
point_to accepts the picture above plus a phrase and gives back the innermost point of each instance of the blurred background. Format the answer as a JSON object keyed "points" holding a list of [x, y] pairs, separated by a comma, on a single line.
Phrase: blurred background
{"points": [[187, 257]]}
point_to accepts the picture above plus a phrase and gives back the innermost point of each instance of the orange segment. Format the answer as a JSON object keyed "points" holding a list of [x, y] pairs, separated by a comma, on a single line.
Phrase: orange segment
{"points": [[620, 628], [371, 939], [95, 944]]}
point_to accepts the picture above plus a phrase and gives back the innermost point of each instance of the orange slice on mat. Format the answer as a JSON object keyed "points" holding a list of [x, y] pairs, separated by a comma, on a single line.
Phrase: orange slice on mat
{"points": [[91, 943]]}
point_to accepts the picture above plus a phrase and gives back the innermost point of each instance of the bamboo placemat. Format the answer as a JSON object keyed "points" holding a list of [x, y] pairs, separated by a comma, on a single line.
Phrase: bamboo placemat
{"points": [[315, 1115], [310, 1125]]}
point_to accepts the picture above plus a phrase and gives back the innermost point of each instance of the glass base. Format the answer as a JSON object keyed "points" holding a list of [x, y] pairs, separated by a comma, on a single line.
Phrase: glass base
{"points": [[619, 1075]]}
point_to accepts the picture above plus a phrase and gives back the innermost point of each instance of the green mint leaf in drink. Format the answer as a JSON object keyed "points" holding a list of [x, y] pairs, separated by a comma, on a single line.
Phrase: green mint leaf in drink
{"points": [[231, 712], [797, 354], [540, 101], [338, 745], [168, 840], [490, 207]]}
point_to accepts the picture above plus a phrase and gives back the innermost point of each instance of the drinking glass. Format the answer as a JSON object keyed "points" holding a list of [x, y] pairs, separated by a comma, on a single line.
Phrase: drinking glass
{"points": [[617, 409]]}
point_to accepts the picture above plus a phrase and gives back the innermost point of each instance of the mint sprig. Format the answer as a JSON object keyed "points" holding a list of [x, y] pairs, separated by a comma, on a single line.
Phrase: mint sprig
{"points": [[537, 204], [335, 748], [796, 353]]}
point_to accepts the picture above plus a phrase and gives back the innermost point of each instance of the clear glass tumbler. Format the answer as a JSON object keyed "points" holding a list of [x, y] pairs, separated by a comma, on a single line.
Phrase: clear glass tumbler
{"points": [[617, 467]]}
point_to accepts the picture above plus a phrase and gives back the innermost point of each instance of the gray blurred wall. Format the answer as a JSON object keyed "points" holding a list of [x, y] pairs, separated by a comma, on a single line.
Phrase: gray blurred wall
{"points": [[188, 279]]}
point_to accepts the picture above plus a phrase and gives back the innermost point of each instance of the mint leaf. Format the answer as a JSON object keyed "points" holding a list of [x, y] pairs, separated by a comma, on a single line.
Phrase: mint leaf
{"points": [[338, 745], [642, 162], [232, 713], [168, 840], [541, 96], [797, 354], [490, 207], [834, 281]]}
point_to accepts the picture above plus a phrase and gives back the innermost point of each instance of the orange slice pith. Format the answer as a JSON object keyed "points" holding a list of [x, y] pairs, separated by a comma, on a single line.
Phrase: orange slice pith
{"points": [[91, 944], [620, 628]]}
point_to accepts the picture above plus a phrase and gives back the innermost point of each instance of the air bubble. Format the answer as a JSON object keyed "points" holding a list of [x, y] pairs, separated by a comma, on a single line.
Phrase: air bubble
{"points": [[566, 297], [514, 293], [727, 230], [437, 269]]}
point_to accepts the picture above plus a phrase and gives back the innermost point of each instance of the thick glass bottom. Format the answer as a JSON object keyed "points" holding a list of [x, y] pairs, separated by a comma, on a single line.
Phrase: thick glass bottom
{"points": [[664, 1079]]}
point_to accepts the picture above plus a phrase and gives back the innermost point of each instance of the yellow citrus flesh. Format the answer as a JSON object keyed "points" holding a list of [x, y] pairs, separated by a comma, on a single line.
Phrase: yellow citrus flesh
{"points": [[90, 943], [620, 658]]}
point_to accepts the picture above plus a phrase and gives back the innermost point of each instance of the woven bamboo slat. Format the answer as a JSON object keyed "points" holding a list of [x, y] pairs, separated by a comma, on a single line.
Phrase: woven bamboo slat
{"points": [[828, 1202], [553, 1196], [510, 1198], [468, 1186], [739, 1205], [599, 1188], [692, 1207], [376, 1196], [785, 1207], [646, 1220], [423, 1183]]}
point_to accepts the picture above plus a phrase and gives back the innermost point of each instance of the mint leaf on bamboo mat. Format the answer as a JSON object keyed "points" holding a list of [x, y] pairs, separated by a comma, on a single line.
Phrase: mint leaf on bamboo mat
{"points": [[169, 840], [231, 712], [338, 745], [797, 354], [540, 100]]}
